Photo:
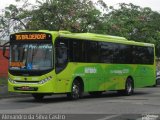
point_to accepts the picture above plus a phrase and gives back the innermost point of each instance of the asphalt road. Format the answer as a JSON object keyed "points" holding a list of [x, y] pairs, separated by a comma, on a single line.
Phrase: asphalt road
{"points": [[145, 103]]}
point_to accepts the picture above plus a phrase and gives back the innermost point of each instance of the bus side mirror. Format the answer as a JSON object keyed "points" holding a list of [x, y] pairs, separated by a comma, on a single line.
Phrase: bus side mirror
{"points": [[5, 53]]}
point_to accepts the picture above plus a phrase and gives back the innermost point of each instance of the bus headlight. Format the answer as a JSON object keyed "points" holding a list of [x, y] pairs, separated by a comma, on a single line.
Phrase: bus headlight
{"points": [[12, 81], [45, 80]]}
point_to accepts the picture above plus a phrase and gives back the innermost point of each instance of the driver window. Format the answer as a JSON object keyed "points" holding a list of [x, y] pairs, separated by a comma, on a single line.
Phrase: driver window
{"points": [[61, 55]]}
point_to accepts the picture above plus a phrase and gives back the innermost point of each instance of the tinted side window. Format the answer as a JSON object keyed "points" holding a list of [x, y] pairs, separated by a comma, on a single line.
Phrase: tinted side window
{"points": [[122, 54], [92, 51], [150, 55], [77, 50], [143, 55], [147, 57], [106, 52], [136, 53]]}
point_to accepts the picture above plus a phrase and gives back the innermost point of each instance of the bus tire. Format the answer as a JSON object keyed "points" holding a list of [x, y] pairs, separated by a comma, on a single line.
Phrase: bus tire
{"points": [[155, 85], [129, 88], [38, 96], [76, 90]]}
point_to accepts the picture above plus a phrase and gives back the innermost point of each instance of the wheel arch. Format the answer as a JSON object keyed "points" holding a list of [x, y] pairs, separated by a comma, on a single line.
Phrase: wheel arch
{"points": [[78, 78], [76, 89]]}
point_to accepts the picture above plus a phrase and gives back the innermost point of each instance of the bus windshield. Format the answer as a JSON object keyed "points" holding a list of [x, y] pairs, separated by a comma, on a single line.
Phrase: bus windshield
{"points": [[31, 57]]}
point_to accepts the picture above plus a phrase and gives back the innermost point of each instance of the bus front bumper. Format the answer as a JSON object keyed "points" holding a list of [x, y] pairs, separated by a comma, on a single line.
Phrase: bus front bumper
{"points": [[47, 87]]}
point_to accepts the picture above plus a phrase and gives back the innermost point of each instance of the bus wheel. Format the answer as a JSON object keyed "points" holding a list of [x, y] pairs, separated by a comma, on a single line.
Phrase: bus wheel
{"points": [[38, 96], [155, 85], [129, 88], [76, 91], [96, 93]]}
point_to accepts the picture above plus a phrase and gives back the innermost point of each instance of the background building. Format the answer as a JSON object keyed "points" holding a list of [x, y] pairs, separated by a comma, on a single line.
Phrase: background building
{"points": [[3, 62]]}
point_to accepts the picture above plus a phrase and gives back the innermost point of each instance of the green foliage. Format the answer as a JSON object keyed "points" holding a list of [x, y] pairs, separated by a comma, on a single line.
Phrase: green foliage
{"points": [[134, 23], [130, 21], [72, 15]]}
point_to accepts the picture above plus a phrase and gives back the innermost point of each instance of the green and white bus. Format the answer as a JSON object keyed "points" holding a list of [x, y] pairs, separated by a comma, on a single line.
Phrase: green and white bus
{"points": [[50, 62]]}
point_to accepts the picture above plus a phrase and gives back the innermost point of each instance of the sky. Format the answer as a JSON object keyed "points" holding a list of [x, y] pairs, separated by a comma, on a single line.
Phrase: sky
{"points": [[153, 4]]}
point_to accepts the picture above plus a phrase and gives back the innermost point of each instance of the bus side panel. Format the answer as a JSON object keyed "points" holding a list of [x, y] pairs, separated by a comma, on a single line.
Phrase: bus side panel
{"points": [[66, 77], [91, 74], [144, 75], [101, 77], [98, 77]]}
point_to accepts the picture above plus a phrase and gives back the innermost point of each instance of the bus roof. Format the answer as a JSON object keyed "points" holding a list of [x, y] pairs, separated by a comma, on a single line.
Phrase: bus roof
{"points": [[101, 37], [90, 35], [94, 37]]}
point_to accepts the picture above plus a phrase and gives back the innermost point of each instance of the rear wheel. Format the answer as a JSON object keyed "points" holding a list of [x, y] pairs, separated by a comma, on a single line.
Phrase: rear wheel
{"points": [[155, 85], [76, 91], [38, 96], [129, 88]]}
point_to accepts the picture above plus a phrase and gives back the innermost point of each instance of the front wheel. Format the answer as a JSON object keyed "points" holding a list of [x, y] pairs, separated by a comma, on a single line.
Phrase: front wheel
{"points": [[76, 91]]}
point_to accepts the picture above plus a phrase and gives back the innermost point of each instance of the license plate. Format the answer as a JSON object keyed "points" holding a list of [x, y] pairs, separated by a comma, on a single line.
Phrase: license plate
{"points": [[26, 88]]}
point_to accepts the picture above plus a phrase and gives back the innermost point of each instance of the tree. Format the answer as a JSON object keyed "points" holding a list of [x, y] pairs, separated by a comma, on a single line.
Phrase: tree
{"points": [[72, 15], [13, 19], [129, 21], [134, 23]]}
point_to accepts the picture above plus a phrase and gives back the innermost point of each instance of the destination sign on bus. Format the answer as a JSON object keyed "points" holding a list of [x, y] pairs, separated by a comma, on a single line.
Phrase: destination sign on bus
{"points": [[17, 64], [31, 36]]}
